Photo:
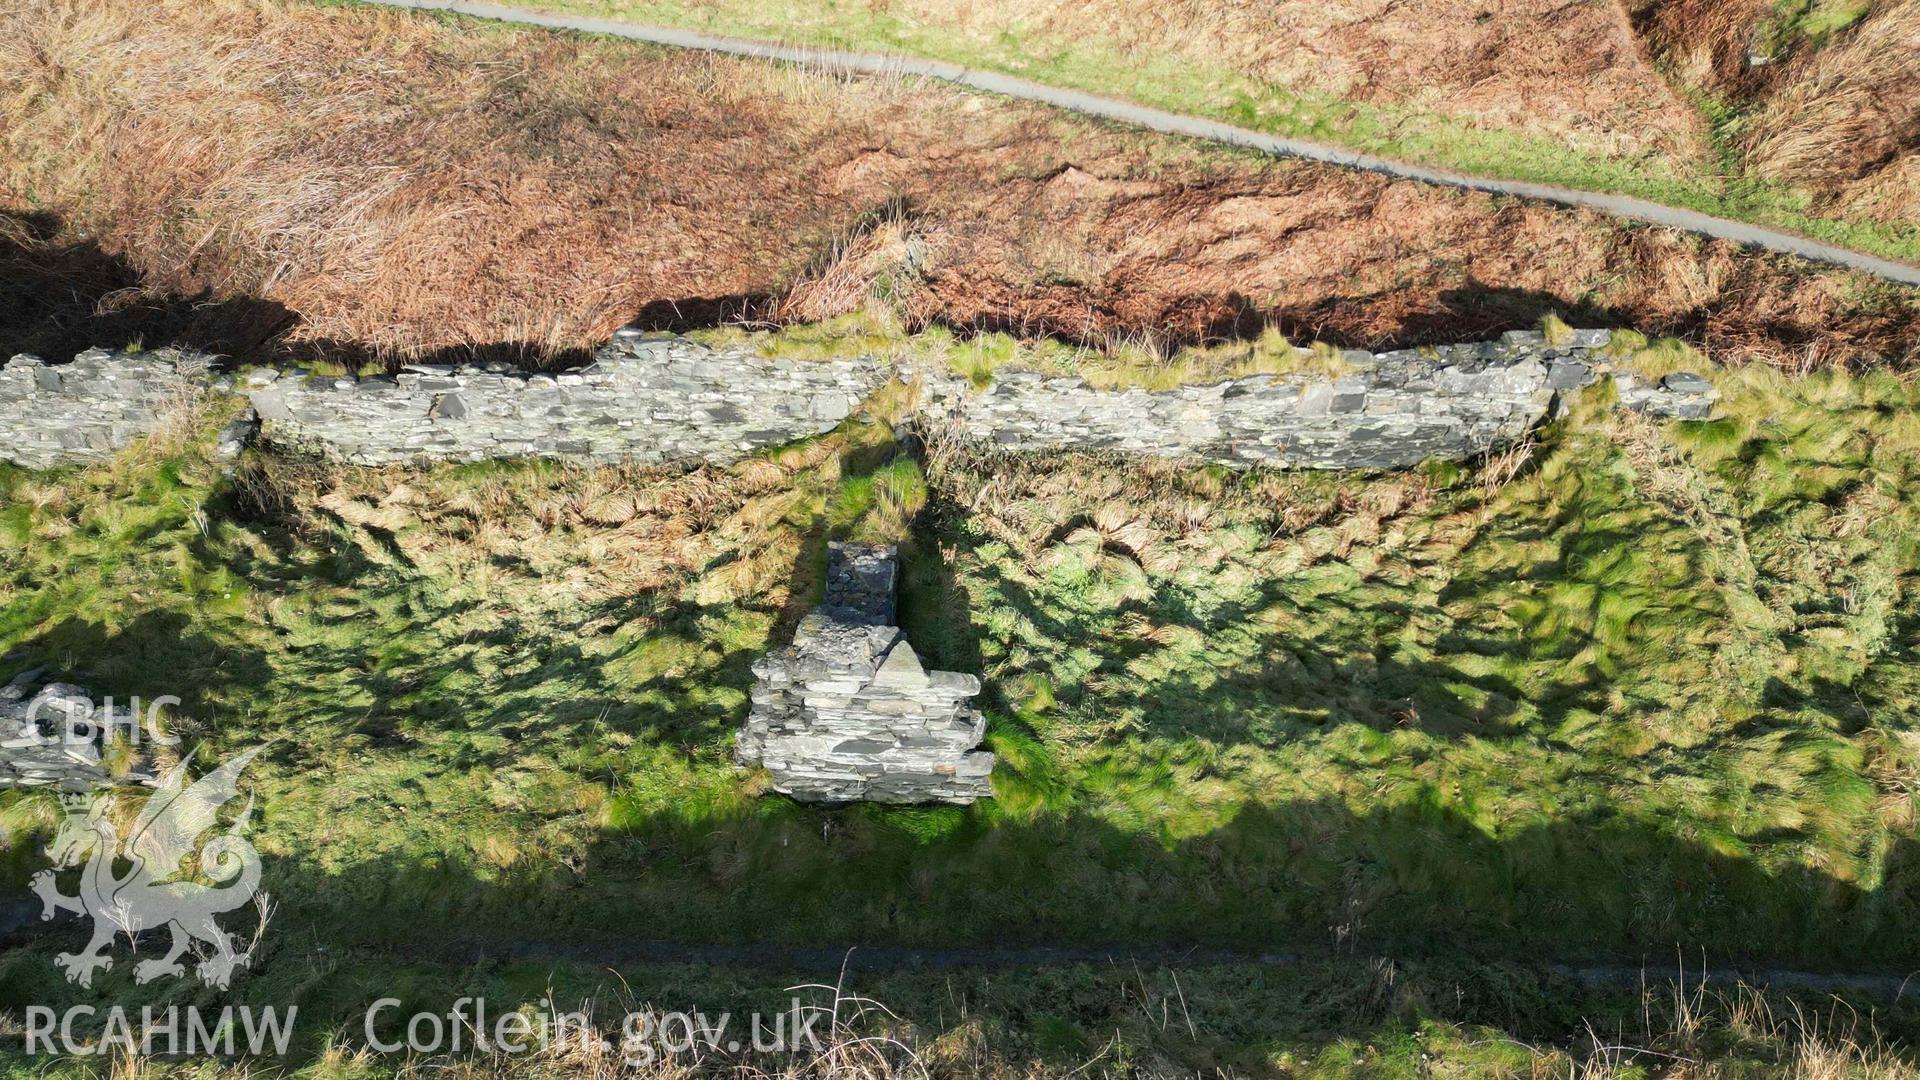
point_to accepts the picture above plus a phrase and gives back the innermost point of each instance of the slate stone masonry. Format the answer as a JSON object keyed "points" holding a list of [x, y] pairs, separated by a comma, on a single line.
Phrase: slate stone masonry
{"points": [[661, 399], [847, 712], [647, 398], [1679, 396], [88, 409], [1395, 409], [52, 736]]}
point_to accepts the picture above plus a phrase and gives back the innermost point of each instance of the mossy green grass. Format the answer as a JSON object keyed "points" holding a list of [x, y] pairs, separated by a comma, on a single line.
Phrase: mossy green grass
{"points": [[1655, 692]]}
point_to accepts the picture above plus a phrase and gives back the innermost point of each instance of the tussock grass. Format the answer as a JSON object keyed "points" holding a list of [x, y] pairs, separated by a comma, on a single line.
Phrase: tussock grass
{"points": [[1804, 100], [867, 270], [1844, 124], [1639, 601], [405, 187], [1644, 685], [1504, 100], [1311, 1020], [586, 606], [1657, 358], [880, 330]]}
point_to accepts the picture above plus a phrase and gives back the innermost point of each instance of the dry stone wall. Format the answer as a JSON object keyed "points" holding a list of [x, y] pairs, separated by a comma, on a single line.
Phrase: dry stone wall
{"points": [[660, 399], [89, 409], [847, 712], [649, 399], [1393, 411]]}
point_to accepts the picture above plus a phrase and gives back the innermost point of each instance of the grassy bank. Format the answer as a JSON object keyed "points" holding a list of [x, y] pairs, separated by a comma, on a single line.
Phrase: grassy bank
{"points": [[1628, 693], [1106, 49], [1627, 689]]}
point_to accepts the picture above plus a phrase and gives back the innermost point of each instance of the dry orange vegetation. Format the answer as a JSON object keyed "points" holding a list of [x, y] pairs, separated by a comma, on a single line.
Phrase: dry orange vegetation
{"points": [[1794, 113], [1839, 117], [398, 186], [1572, 72]]}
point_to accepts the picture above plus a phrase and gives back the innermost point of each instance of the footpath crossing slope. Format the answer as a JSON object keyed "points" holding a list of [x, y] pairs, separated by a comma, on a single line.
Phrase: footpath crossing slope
{"points": [[1197, 127]]}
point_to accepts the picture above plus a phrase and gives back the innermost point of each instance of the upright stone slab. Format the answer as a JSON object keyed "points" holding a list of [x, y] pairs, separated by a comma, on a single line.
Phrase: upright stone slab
{"points": [[847, 713]]}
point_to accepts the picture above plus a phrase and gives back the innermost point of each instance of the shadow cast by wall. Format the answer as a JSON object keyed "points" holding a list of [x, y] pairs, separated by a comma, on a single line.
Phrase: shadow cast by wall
{"points": [[149, 656], [1314, 878], [60, 296]]}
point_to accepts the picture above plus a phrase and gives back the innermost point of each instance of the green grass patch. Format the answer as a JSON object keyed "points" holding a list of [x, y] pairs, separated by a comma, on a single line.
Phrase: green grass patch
{"points": [[1657, 691], [1121, 1019], [981, 358]]}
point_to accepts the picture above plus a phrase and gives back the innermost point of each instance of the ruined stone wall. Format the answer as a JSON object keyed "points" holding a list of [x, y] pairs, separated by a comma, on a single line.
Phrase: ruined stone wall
{"points": [[659, 399], [90, 408], [1394, 409], [646, 399], [847, 712]]}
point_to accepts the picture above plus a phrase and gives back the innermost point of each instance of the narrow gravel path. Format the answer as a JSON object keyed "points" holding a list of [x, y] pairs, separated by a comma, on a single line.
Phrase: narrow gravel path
{"points": [[1177, 124]]}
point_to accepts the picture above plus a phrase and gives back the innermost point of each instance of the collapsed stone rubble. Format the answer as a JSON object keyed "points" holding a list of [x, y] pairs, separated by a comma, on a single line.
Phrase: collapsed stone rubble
{"points": [[53, 735], [847, 712]]}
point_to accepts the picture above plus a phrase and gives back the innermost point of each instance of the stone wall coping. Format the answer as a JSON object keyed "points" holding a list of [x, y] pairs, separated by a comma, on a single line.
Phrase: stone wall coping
{"points": [[655, 398]]}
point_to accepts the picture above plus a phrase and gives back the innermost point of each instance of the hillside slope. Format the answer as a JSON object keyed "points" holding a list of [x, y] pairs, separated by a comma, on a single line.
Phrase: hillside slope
{"points": [[361, 184], [1597, 97], [1817, 95]]}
